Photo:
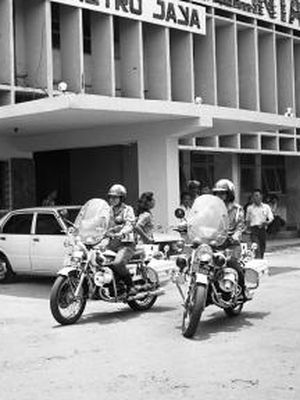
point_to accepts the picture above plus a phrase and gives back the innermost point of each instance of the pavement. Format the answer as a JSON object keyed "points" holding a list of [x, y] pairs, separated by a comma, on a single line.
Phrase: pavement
{"points": [[282, 243]]}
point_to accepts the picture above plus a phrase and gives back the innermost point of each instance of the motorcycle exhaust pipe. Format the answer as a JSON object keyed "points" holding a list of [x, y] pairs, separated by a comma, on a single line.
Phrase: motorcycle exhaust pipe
{"points": [[141, 296]]}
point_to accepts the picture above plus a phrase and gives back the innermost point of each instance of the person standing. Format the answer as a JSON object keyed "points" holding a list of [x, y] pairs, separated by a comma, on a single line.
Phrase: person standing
{"points": [[258, 217], [145, 224], [51, 199], [194, 189], [186, 203]]}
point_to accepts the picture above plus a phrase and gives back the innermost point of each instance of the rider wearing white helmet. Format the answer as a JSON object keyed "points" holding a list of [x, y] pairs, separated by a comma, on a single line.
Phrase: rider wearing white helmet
{"points": [[121, 226], [225, 190]]}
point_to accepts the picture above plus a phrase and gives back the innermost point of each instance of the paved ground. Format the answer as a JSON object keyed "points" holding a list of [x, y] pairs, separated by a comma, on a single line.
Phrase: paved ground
{"points": [[114, 353]]}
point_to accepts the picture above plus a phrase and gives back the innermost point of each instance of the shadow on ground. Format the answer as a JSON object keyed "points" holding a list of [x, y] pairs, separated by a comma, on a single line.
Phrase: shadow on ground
{"points": [[118, 315], [28, 287], [218, 322], [281, 270]]}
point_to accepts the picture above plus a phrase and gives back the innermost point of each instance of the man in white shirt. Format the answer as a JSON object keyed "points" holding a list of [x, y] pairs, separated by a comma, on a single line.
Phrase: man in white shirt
{"points": [[258, 217]]}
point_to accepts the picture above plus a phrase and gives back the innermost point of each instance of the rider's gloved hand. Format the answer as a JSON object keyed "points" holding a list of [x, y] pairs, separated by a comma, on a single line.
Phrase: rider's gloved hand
{"points": [[119, 236], [235, 238]]}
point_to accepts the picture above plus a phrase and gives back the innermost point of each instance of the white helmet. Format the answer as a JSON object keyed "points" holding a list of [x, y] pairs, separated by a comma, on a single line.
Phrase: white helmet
{"points": [[118, 191], [225, 186]]}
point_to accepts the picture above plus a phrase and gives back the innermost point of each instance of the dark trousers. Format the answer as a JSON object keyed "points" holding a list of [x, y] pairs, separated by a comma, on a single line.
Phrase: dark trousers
{"points": [[124, 254], [259, 236]]}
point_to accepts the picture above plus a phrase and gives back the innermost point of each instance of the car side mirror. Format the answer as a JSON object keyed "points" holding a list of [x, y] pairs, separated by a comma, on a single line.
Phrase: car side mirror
{"points": [[179, 213]]}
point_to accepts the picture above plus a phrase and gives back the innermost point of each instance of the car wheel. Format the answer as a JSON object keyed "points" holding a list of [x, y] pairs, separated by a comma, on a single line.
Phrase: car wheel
{"points": [[6, 272]]}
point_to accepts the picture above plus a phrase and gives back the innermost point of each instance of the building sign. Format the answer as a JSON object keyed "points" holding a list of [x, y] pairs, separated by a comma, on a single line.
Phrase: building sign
{"points": [[170, 13], [277, 11]]}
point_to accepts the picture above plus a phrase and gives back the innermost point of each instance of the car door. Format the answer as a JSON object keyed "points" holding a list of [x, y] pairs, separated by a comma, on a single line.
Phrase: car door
{"points": [[47, 245], [15, 240]]}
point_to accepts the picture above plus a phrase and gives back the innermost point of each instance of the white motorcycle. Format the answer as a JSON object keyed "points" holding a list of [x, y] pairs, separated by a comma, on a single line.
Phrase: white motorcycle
{"points": [[207, 276], [87, 273]]}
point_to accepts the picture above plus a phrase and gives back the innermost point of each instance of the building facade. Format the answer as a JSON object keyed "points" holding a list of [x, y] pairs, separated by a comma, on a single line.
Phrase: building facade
{"points": [[157, 92]]}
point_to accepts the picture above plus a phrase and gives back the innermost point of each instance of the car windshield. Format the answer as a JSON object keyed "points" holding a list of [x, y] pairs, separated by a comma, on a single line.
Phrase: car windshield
{"points": [[208, 220], [92, 221]]}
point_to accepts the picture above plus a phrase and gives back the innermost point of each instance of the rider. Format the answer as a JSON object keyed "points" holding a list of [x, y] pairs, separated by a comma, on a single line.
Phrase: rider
{"points": [[225, 190], [121, 224]]}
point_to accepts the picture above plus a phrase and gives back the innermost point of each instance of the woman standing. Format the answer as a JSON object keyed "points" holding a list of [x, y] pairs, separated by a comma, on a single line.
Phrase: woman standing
{"points": [[144, 225]]}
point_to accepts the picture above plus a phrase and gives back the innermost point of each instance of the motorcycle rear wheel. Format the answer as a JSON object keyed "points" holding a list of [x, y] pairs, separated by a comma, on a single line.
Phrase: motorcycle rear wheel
{"points": [[151, 277], [234, 311], [195, 305], [62, 300]]}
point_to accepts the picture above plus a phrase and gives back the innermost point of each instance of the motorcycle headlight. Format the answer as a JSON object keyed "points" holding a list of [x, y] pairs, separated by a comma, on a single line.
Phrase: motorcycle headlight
{"points": [[229, 280], [204, 253]]}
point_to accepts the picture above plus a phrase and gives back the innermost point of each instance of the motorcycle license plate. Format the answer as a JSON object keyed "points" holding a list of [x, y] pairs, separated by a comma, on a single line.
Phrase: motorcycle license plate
{"points": [[201, 278]]}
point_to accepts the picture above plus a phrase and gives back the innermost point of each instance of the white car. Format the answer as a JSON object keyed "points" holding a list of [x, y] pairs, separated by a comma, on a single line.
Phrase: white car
{"points": [[32, 240]]}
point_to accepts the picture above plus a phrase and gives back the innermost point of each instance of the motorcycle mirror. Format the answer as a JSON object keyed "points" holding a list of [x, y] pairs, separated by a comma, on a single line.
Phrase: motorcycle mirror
{"points": [[179, 213], [196, 243]]}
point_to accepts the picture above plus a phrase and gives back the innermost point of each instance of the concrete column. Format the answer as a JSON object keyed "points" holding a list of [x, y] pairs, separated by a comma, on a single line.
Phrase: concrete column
{"points": [[158, 166], [236, 176], [293, 191], [258, 181]]}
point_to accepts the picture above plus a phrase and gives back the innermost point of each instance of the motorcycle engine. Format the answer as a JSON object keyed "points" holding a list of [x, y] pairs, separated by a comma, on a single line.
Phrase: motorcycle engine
{"points": [[103, 277]]}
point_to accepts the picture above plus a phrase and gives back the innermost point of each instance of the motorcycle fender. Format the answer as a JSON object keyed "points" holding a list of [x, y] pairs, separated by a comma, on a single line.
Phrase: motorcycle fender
{"points": [[66, 271], [201, 278]]}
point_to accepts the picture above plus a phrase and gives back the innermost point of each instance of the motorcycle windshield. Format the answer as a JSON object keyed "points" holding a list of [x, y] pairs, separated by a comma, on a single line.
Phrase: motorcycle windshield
{"points": [[208, 220], [92, 221]]}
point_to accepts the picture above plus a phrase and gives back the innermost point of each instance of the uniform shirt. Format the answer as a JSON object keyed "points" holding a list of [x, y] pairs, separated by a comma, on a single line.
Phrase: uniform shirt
{"points": [[122, 221], [236, 220], [257, 215]]}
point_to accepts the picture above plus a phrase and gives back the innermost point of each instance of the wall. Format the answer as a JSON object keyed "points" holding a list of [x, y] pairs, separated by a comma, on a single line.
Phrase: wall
{"points": [[293, 190], [223, 166], [94, 170]]}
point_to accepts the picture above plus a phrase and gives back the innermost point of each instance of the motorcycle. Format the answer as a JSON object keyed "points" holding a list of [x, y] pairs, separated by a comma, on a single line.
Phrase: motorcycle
{"points": [[206, 276], [87, 272]]}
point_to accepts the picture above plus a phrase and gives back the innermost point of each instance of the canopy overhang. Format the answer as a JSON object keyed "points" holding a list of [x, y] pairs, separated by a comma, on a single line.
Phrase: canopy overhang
{"points": [[53, 122]]}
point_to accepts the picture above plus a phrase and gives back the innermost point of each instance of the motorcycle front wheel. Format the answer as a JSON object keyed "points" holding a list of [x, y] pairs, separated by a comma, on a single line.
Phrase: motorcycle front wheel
{"points": [[194, 306], [65, 308], [151, 277]]}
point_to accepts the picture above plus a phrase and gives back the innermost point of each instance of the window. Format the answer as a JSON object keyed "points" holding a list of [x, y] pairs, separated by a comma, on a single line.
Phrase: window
{"points": [[19, 224], [86, 22], [202, 168], [117, 38], [273, 174], [247, 172], [55, 25], [4, 185], [47, 224]]}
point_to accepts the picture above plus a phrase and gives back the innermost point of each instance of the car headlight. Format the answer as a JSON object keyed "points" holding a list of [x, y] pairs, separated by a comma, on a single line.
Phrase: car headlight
{"points": [[204, 254]]}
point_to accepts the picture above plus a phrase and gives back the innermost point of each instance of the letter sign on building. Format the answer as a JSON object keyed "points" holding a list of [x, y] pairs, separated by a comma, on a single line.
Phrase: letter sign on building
{"points": [[170, 13], [285, 12]]}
